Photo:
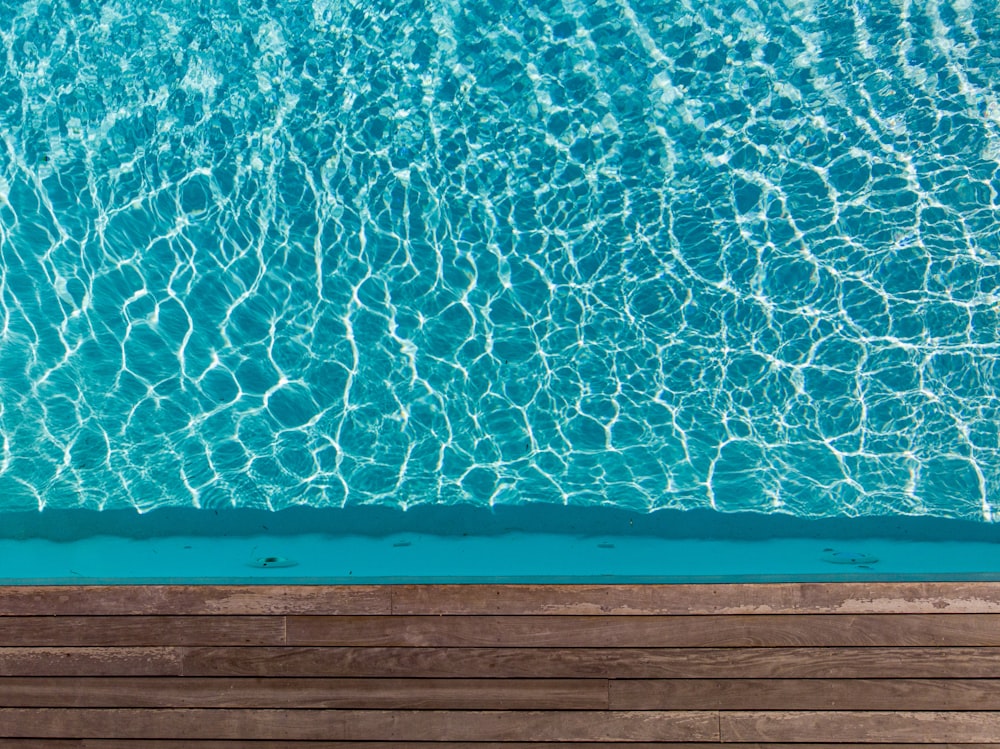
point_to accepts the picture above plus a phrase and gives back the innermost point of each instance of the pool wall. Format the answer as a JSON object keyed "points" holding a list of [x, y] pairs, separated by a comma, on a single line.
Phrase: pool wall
{"points": [[541, 543]]}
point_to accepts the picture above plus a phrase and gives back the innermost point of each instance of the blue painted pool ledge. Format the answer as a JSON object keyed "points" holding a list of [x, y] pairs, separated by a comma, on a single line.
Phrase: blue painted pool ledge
{"points": [[541, 543]]}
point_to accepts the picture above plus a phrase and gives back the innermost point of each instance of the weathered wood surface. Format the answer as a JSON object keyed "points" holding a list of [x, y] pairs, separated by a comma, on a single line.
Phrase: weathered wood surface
{"points": [[236, 744], [821, 630], [362, 725], [507, 694], [168, 600], [804, 694], [508, 663], [597, 663], [425, 694], [91, 661], [511, 663], [278, 744], [133, 631], [809, 666], [602, 600], [866, 727], [917, 630], [780, 598]]}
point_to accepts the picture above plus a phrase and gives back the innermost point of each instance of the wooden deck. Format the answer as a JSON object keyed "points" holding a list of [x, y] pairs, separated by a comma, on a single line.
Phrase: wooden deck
{"points": [[818, 665]]}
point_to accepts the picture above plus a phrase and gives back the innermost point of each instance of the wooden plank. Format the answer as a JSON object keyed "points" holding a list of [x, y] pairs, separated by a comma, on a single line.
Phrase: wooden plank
{"points": [[73, 631], [91, 661], [223, 744], [762, 630], [791, 598], [874, 727], [360, 725], [766, 598], [584, 663], [804, 694], [455, 694], [591, 663], [233, 600], [571, 663], [769, 598]]}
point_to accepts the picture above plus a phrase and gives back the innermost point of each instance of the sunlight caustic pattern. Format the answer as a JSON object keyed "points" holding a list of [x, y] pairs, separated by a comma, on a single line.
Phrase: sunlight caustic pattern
{"points": [[649, 253]]}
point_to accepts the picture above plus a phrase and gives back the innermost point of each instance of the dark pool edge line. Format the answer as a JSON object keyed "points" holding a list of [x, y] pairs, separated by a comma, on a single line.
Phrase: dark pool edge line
{"points": [[469, 520]]}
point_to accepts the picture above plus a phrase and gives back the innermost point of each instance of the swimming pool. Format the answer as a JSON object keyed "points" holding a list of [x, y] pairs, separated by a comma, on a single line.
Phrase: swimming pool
{"points": [[724, 261], [466, 544]]}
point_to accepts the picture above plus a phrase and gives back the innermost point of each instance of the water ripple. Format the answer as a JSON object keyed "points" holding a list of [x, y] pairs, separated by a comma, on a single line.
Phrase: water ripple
{"points": [[651, 254]]}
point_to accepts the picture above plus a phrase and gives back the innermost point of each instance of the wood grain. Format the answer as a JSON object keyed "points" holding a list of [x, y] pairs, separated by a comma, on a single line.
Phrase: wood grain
{"points": [[230, 600], [91, 661], [455, 694], [765, 630], [360, 725], [591, 663], [224, 744], [780, 598], [899, 665], [76, 631], [574, 663], [804, 694], [277, 744], [867, 727]]}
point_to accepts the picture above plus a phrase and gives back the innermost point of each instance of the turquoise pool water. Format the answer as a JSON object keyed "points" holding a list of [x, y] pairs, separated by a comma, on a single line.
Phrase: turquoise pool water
{"points": [[467, 544], [729, 256]]}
